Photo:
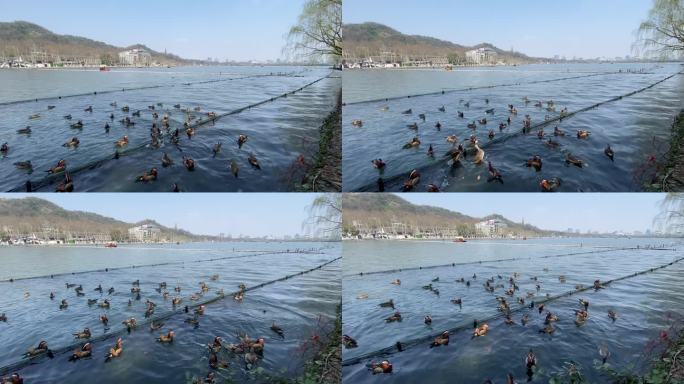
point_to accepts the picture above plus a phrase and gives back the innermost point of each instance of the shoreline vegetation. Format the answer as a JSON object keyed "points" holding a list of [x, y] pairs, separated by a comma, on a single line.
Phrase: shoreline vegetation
{"points": [[671, 177], [326, 173]]}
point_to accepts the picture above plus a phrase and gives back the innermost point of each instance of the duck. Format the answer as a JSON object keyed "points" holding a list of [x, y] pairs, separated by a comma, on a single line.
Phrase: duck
{"points": [[571, 159], [407, 112], [147, 177], [117, 350], [277, 329], [442, 109], [414, 178], [431, 152], [73, 143], [534, 162], [86, 350], [189, 163], [583, 134], [200, 310], [396, 282], [612, 315], [524, 319], [77, 125], [421, 116], [472, 125], [40, 349], [438, 125], [216, 149], [584, 303], [609, 152], [458, 301], [378, 164], [551, 143], [104, 319], [440, 340], [483, 121], [59, 168], [92, 301], [242, 139], [382, 367], [604, 353], [105, 304], [349, 342], [136, 113], [234, 169], [415, 142], [479, 155], [253, 161], [491, 134], [413, 126], [190, 132], [167, 338], [67, 117], [35, 116], [395, 317], [24, 131], [4, 148], [166, 160], [84, 334], [3, 317], [89, 109], [452, 139], [130, 323], [122, 142], [502, 126], [387, 304], [550, 185], [63, 304], [494, 174], [431, 188], [481, 330]]}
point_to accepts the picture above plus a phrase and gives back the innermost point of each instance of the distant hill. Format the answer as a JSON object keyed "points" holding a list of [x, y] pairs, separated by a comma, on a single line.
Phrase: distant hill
{"points": [[21, 38], [371, 39], [31, 214], [375, 210]]}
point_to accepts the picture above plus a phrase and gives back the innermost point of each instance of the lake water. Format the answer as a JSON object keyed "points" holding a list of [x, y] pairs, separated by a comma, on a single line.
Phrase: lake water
{"points": [[645, 304], [636, 127], [278, 131], [303, 306]]}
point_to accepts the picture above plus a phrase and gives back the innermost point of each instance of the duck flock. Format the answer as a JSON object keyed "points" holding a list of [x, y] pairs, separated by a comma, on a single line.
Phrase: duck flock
{"points": [[471, 150], [243, 351]]}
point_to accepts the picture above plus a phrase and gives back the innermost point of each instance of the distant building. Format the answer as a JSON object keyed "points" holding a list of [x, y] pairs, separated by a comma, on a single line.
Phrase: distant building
{"points": [[482, 55], [137, 57], [144, 233], [491, 227]]}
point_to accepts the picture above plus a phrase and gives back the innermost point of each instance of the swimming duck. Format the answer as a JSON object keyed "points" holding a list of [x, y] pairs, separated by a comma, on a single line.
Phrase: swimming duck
{"points": [[67, 117], [77, 125], [472, 125], [40, 349], [63, 304], [460, 114], [494, 174], [421, 116], [387, 304], [483, 121], [130, 323], [200, 310], [147, 176], [4, 148], [431, 188], [612, 315], [438, 125], [85, 334], [430, 152], [458, 301], [440, 340], [216, 149], [407, 112], [73, 143], [395, 317], [597, 284], [168, 338], [414, 178], [59, 168], [413, 126], [24, 131], [604, 353], [530, 362], [479, 155], [349, 342], [35, 116], [534, 162], [524, 319], [413, 143], [452, 139], [234, 169], [481, 330], [382, 367], [609, 152], [242, 139], [89, 109], [491, 134], [441, 109], [136, 113], [122, 142], [15, 378], [117, 350], [584, 303], [166, 160], [571, 159], [104, 319], [583, 134], [277, 329], [189, 163], [378, 164], [550, 185], [190, 132], [3, 317], [396, 282], [92, 301], [253, 161], [105, 304]]}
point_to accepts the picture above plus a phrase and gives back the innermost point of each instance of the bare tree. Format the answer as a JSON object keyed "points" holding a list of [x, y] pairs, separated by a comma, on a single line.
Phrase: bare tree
{"points": [[318, 32], [663, 32], [671, 217], [325, 216]]}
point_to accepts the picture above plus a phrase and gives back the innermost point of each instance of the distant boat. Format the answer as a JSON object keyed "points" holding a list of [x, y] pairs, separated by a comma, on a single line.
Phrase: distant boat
{"points": [[459, 239], [104, 68], [111, 244]]}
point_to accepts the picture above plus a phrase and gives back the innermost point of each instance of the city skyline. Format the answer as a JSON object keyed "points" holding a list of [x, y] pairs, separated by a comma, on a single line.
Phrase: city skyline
{"points": [[580, 30], [249, 215], [190, 32]]}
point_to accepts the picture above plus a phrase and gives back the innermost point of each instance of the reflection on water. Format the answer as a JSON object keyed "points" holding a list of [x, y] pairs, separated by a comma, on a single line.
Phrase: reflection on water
{"points": [[303, 306], [278, 132], [636, 127], [645, 304]]}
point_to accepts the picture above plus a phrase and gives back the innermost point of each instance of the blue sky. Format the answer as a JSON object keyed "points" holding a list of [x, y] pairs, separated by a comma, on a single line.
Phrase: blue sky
{"points": [[582, 28], [233, 29], [603, 212], [254, 214]]}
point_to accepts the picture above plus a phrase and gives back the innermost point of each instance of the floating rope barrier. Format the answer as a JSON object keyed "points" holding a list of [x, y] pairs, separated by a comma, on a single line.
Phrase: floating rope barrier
{"points": [[424, 339], [504, 138], [47, 180], [95, 93], [16, 366], [455, 90], [52, 276], [500, 260]]}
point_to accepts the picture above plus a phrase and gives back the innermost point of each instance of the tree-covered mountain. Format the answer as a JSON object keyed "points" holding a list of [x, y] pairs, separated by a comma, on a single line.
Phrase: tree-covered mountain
{"points": [[32, 214], [21, 38], [372, 39]]}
